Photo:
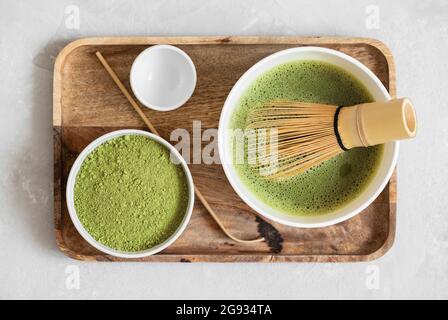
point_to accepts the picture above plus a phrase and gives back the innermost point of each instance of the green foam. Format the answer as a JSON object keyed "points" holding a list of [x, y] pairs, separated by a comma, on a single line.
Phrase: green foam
{"points": [[333, 183], [128, 195]]}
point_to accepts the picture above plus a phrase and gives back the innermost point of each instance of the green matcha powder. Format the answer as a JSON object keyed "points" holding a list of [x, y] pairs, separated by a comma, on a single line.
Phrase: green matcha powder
{"points": [[129, 196]]}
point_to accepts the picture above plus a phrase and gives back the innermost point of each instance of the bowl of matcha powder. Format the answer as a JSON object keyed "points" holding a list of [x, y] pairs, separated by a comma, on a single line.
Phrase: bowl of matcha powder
{"points": [[130, 194]]}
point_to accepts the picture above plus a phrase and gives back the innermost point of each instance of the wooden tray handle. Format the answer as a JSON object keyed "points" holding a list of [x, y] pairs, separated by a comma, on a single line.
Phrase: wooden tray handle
{"points": [[151, 128]]}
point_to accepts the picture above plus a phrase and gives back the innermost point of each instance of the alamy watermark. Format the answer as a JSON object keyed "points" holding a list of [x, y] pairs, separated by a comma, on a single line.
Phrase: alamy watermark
{"points": [[73, 279], [373, 17], [373, 277], [257, 147], [72, 17]]}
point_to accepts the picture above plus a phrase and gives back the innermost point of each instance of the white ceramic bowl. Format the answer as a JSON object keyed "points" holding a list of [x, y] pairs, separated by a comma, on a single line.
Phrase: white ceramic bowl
{"points": [[71, 205], [363, 74], [163, 77]]}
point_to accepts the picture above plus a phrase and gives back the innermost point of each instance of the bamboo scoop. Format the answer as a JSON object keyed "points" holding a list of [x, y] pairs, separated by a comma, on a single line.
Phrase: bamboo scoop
{"points": [[303, 135], [151, 128]]}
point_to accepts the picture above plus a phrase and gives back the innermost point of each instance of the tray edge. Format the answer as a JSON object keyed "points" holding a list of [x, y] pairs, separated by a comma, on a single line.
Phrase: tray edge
{"points": [[179, 40]]}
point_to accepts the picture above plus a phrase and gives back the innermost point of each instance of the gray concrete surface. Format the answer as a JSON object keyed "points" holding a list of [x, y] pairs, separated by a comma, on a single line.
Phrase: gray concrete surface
{"points": [[31, 34]]}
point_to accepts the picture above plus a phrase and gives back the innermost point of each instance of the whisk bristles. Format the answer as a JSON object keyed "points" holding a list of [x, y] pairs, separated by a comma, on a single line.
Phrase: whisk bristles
{"points": [[304, 137]]}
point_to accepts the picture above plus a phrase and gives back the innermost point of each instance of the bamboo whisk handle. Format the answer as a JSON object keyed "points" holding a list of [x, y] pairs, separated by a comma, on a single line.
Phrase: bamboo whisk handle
{"points": [[375, 123]]}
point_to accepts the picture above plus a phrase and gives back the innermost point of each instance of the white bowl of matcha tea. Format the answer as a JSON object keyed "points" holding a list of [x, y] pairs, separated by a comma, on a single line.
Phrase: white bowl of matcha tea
{"points": [[130, 194], [333, 191]]}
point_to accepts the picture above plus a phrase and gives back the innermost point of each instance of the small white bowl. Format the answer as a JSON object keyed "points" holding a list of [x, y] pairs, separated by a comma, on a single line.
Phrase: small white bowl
{"points": [[163, 77], [71, 185], [350, 209]]}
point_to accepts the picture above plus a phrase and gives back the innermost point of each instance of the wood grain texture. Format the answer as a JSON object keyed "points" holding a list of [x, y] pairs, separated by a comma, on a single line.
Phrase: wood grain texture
{"points": [[87, 104]]}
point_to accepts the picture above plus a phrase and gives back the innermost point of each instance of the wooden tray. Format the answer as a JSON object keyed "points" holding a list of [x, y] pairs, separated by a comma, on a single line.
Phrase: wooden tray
{"points": [[87, 104]]}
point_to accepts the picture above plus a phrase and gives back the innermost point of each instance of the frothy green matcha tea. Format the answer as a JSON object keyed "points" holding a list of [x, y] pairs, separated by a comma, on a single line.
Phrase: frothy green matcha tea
{"points": [[128, 194], [331, 184]]}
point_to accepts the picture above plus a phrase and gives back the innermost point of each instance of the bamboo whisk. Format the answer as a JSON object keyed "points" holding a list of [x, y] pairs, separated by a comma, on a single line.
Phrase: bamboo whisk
{"points": [[292, 137]]}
